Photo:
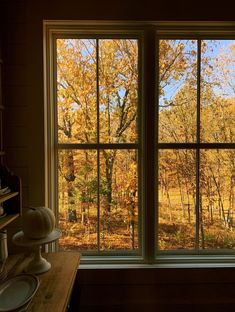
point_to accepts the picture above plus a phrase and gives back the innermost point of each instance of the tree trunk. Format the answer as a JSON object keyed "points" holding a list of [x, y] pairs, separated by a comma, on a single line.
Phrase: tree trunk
{"points": [[70, 177], [201, 224], [231, 201]]}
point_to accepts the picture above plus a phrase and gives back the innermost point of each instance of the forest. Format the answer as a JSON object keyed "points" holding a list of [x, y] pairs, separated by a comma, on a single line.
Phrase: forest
{"points": [[98, 139]]}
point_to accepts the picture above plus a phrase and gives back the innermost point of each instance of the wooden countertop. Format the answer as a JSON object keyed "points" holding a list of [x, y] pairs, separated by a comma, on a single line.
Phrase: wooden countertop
{"points": [[55, 285]]}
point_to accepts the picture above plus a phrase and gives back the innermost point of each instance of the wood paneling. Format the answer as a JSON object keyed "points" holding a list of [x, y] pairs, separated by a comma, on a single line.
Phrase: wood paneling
{"points": [[156, 290]]}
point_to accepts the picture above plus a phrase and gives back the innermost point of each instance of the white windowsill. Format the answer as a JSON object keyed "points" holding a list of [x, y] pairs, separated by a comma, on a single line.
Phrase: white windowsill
{"points": [[156, 266], [205, 261]]}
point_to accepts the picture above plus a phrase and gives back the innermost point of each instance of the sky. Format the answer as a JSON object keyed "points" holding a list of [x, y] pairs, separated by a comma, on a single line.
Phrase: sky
{"points": [[214, 49]]}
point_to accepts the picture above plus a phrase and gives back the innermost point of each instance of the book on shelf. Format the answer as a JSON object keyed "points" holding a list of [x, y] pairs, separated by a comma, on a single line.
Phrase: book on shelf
{"points": [[5, 190], [1, 210]]}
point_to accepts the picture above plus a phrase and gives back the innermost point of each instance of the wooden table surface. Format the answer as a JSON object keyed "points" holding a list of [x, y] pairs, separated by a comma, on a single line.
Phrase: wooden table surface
{"points": [[55, 286]]}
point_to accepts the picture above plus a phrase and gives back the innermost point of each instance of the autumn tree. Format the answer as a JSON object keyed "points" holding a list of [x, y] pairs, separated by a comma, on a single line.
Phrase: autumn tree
{"points": [[118, 83]]}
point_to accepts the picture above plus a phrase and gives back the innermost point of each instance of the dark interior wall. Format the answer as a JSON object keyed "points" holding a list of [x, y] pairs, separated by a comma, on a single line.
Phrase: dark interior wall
{"points": [[100, 290], [155, 290]]}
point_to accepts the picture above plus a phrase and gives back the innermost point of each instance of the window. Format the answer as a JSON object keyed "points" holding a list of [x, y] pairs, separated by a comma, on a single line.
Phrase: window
{"points": [[140, 123]]}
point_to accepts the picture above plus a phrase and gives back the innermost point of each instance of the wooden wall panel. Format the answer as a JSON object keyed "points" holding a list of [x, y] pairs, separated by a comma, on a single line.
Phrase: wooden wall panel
{"points": [[155, 290]]}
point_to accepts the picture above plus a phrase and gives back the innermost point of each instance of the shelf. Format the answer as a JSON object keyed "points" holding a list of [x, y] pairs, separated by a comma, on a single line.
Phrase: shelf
{"points": [[7, 196], [54, 293], [12, 201], [8, 219]]}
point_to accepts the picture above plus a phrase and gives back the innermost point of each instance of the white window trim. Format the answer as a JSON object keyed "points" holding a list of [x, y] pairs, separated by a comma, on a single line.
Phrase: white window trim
{"points": [[52, 28]]}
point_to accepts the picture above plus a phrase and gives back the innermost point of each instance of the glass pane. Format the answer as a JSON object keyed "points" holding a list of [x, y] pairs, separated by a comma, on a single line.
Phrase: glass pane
{"points": [[178, 90], [217, 193], [218, 91], [118, 90], [176, 194], [118, 200], [77, 196], [76, 90]]}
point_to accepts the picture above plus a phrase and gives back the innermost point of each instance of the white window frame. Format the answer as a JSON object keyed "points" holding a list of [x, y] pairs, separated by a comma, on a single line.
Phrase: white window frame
{"points": [[149, 32]]}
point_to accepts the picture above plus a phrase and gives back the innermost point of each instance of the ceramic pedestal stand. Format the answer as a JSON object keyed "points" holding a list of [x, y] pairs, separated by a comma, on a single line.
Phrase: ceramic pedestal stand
{"points": [[38, 264]]}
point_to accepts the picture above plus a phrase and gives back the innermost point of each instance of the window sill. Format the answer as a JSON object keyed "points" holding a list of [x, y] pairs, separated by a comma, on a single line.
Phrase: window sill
{"points": [[192, 262], [155, 266]]}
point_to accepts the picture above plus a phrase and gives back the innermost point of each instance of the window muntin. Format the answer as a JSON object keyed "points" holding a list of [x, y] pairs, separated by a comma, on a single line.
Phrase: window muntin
{"points": [[98, 172]]}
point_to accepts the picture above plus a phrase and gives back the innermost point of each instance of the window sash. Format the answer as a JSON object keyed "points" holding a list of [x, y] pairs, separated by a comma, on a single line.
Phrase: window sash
{"points": [[101, 146], [197, 146]]}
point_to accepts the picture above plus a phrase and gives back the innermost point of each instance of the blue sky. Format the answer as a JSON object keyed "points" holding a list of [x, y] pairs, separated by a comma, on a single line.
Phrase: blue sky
{"points": [[214, 49]]}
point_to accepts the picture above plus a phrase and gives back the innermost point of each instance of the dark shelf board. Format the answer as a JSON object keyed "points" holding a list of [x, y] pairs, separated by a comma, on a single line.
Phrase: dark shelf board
{"points": [[8, 219], [7, 196]]}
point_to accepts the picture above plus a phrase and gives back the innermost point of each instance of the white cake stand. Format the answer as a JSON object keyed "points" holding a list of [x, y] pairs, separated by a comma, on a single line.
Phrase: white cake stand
{"points": [[38, 264]]}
